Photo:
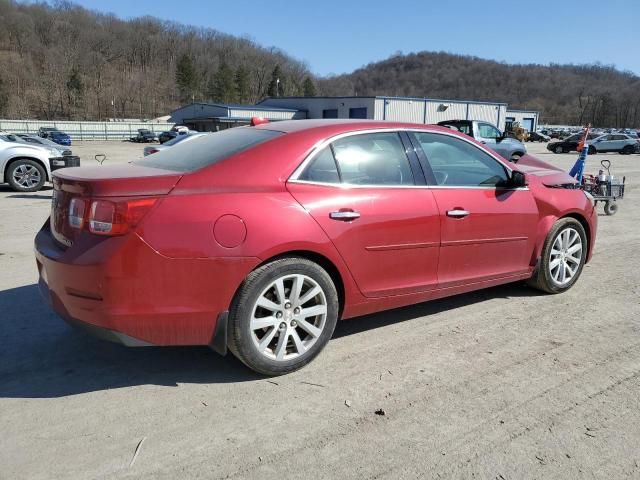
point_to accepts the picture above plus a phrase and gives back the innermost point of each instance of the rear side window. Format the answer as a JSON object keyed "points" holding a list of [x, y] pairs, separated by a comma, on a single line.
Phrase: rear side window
{"points": [[367, 159], [208, 149], [322, 169]]}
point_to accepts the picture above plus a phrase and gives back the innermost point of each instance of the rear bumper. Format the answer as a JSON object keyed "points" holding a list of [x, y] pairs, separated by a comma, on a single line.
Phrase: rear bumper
{"points": [[122, 290]]}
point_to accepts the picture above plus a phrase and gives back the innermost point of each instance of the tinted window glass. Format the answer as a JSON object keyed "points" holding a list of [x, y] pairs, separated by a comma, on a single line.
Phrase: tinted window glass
{"points": [[322, 168], [458, 163], [460, 127], [207, 149], [373, 159]]}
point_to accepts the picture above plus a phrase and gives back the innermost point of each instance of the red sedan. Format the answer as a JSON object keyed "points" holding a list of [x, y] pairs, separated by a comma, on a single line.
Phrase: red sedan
{"points": [[258, 239]]}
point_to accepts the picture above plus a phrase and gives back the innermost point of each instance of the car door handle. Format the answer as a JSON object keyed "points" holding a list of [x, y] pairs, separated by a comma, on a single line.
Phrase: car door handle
{"points": [[344, 215], [457, 213]]}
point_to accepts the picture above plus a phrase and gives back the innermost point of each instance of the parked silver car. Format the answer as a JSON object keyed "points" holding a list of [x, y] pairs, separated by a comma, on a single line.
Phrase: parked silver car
{"points": [[180, 138], [26, 167], [614, 142], [45, 142]]}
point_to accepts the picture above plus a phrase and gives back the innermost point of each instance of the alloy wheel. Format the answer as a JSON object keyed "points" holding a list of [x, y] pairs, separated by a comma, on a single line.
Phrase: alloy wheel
{"points": [[566, 256], [288, 317], [27, 176]]}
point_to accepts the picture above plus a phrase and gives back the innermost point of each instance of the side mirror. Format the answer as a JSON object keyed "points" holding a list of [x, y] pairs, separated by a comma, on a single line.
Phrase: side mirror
{"points": [[517, 180]]}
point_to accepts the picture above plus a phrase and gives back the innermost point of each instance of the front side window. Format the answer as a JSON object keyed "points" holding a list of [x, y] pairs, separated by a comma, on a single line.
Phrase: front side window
{"points": [[488, 131], [365, 159], [458, 163]]}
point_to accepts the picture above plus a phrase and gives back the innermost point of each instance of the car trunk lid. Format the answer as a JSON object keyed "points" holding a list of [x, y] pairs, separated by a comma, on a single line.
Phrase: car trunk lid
{"points": [[89, 183]]}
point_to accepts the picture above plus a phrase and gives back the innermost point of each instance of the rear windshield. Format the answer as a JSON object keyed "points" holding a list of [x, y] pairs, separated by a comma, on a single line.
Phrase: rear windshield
{"points": [[207, 149]]}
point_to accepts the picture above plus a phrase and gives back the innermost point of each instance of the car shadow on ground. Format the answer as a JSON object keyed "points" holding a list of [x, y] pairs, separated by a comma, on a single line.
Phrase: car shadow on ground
{"points": [[30, 197], [7, 188], [43, 357]]}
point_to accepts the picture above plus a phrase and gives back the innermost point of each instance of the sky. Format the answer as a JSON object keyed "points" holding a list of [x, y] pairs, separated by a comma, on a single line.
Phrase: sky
{"points": [[335, 37]]}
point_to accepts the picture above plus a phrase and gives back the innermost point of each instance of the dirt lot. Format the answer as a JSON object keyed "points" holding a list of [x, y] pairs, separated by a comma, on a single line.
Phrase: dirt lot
{"points": [[499, 384]]}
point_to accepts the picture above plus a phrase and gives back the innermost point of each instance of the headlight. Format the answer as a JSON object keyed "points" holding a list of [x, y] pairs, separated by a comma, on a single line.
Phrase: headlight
{"points": [[53, 153]]}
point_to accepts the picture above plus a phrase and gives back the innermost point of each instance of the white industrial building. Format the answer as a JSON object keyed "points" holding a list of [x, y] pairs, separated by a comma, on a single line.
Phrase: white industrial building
{"points": [[211, 117], [214, 117], [527, 118], [399, 109]]}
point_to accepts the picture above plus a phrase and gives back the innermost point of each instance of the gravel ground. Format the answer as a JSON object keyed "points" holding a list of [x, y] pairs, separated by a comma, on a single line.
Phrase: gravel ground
{"points": [[503, 383]]}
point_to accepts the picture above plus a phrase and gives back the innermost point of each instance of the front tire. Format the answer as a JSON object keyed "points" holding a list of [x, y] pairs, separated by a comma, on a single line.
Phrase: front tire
{"points": [[283, 316], [558, 150], [563, 257], [26, 175]]}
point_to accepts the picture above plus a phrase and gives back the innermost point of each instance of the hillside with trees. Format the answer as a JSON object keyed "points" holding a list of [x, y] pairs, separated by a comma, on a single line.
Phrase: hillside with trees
{"points": [[564, 94], [62, 61]]}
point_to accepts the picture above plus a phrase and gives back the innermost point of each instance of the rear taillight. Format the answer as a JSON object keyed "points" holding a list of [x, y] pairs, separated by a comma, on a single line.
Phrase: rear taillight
{"points": [[117, 218], [77, 211], [107, 217], [152, 150]]}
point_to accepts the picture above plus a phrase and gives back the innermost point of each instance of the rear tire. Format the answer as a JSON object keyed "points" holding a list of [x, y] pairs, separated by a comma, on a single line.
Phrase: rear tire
{"points": [[627, 150], [563, 257], [283, 316], [26, 175], [592, 150]]}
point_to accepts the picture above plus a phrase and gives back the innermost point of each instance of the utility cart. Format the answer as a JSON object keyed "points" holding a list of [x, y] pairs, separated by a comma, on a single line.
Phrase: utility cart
{"points": [[604, 187]]}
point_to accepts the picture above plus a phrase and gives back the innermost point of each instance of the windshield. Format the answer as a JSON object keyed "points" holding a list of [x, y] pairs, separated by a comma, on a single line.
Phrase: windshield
{"points": [[207, 149]]}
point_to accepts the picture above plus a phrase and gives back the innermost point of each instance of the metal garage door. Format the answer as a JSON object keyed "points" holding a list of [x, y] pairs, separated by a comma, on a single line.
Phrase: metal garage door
{"points": [[527, 123]]}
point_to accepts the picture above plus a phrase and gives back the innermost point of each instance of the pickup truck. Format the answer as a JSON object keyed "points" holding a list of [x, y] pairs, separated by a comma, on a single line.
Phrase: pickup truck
{"points": [[27, 167], [484, 132]]}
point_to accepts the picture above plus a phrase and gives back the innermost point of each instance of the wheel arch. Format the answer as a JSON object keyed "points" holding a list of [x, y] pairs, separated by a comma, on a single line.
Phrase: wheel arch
{"points": [[323, 261], [585, 224], [547, 223], [13, 160]]}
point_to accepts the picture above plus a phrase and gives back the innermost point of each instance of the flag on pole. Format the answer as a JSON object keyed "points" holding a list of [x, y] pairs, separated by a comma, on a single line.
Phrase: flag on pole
{"points": [[577, 171]]}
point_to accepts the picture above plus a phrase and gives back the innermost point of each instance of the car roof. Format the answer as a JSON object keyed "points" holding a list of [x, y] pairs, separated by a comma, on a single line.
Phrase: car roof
{"points": [[334, 126]]}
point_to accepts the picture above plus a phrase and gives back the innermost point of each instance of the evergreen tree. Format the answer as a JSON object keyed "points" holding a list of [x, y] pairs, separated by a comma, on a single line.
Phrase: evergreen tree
{"points": [[309, 88], [186, 77], [222, 87], [275, 85], [242, 85]]}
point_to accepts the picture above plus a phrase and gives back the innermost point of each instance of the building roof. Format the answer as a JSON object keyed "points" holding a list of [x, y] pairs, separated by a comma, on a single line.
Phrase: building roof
{"points": [[383, 97]]}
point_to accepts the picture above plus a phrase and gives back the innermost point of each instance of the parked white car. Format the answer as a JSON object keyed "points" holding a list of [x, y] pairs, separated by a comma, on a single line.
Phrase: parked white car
{"points": [[25, 167]]}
